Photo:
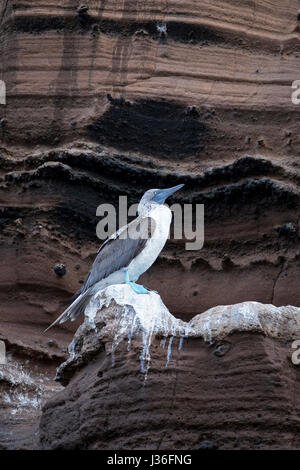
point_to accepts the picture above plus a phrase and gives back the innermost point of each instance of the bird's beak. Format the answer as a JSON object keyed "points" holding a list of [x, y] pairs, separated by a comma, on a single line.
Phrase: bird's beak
{"points": [[162, 194]]}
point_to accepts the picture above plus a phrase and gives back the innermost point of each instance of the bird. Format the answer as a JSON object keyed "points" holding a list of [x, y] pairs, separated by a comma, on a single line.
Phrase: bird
{"points": [[127, 253]]}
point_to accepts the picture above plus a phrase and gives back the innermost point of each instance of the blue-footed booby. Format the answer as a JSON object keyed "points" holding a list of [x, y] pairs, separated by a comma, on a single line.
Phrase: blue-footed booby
{"points": [[128, 253]]}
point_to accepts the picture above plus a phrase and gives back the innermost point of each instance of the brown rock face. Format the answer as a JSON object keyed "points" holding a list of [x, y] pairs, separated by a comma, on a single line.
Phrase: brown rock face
{"points": [[245, 398], [25, 383], [238, 391], [103, 103], [131, 95]]}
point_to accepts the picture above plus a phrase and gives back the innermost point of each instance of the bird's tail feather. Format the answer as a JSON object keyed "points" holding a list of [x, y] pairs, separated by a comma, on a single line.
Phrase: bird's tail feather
{"points": [[71, 299], [74, 310]]}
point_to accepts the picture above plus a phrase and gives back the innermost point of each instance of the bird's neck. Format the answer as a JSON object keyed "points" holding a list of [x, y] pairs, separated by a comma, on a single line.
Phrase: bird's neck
{"points": [[146, 208]]}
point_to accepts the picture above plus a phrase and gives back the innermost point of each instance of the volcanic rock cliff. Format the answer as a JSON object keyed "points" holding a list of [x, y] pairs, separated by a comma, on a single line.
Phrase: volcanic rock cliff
{"points": [[124, 96], [138, 378]]}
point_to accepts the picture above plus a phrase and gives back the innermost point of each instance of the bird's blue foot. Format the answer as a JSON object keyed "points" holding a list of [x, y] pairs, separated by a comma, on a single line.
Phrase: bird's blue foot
{"points": [[138, 288]]}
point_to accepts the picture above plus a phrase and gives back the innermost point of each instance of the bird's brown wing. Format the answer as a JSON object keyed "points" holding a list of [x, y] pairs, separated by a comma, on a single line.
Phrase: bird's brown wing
{"points": [[115, 253], [119, 249]]}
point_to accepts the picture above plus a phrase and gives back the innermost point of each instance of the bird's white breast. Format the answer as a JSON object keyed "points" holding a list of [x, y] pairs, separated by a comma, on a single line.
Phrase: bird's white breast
{"points": [[162, 216]]}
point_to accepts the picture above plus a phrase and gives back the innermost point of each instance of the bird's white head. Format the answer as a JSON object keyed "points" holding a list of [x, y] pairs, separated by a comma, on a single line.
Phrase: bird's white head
{"points": [[154, 197]]}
